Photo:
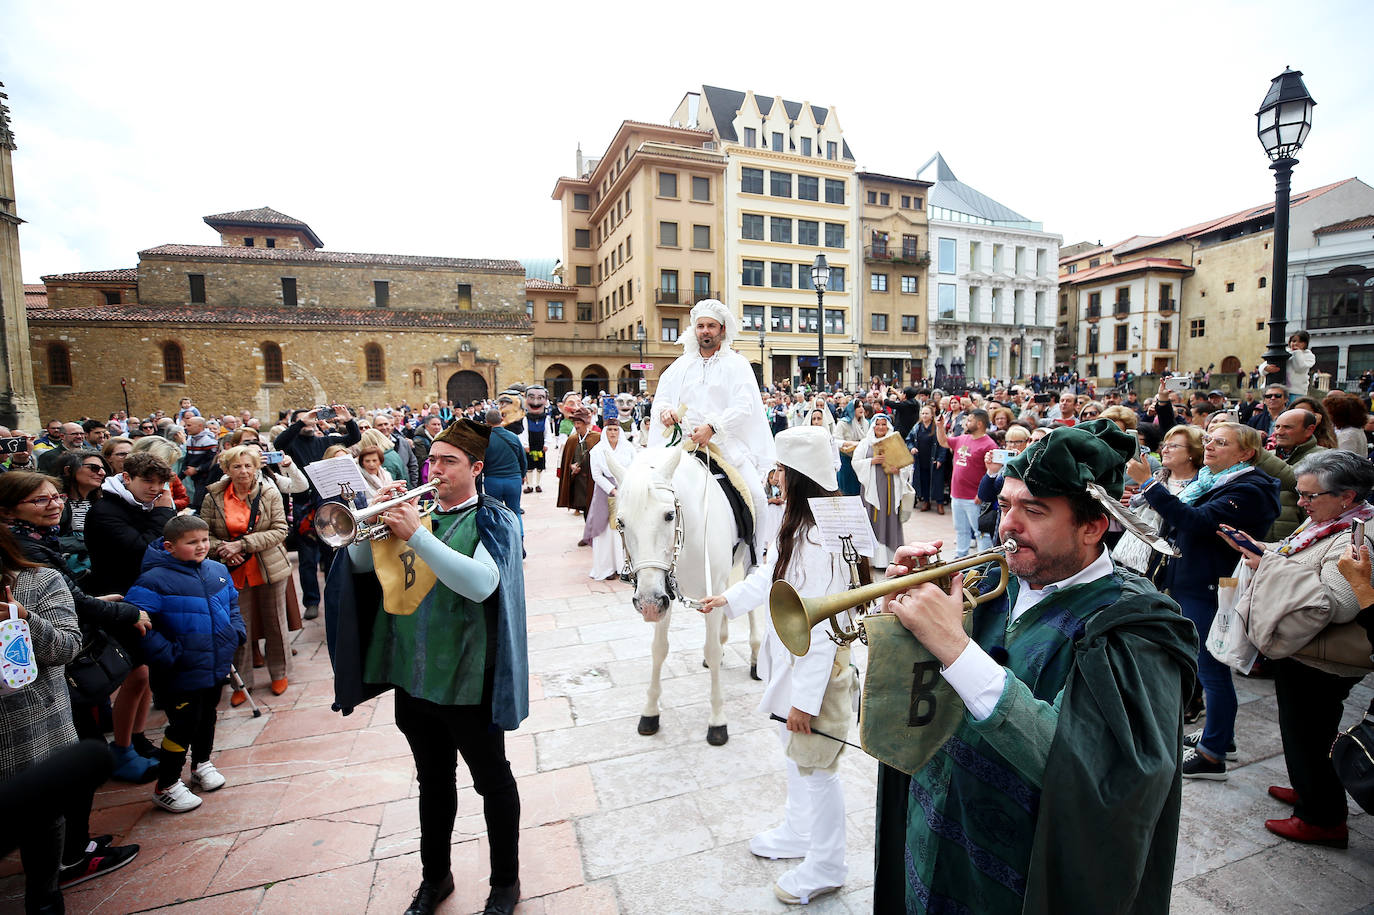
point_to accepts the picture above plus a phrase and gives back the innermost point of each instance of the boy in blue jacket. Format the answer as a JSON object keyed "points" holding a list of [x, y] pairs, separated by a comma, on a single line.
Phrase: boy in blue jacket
{"points": [[194, 607]]}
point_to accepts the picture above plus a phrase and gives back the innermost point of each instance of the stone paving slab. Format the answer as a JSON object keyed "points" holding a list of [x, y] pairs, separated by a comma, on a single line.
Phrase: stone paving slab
{"points": [[319, 813]]}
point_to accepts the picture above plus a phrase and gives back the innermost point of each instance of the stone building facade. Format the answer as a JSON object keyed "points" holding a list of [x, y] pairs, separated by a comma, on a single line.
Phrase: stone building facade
{"points": [[272, 328], [18, 403], [892, 290]]}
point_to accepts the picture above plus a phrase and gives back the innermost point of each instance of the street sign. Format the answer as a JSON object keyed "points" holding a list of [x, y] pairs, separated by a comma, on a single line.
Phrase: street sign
{"points": [[641, 366], [644, 384]]}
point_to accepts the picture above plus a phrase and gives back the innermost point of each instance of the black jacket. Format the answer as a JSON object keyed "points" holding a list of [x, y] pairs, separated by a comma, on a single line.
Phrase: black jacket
{"points": [[117, 536], [306, 450], [90, 611]]}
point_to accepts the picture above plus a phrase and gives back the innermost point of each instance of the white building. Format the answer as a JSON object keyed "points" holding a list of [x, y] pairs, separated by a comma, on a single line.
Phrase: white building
{"points": [[993, 283], [1331, 294]]}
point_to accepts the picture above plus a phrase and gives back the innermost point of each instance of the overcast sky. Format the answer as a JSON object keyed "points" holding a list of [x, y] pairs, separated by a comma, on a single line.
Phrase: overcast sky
{"points": [[398, 129]]}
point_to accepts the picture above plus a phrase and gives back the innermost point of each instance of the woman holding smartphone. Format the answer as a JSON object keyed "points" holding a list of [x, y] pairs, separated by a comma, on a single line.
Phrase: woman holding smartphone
{"points": [[1302, 572]]}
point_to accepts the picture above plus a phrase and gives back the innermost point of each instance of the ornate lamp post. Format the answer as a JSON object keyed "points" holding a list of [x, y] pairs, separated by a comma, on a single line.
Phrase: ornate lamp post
{"points": [[642, 335], [1284, 119], [763, 376], [820, 278]]}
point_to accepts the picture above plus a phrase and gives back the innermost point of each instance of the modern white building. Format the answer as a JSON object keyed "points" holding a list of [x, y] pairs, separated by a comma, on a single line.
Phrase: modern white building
{"points": [[1331, 294], [993, 284]]}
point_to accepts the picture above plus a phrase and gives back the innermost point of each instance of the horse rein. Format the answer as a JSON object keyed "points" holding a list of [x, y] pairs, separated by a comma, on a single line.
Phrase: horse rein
{"points": [[630, 572]]}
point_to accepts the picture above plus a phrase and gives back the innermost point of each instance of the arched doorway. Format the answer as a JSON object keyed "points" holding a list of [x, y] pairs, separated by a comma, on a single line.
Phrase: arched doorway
{"points": [[559, 380], [465, 387], [627, 380], [595, 379], [1230, 365]]}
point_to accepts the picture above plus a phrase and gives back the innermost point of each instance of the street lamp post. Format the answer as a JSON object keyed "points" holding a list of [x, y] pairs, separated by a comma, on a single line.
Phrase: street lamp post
{"points": [[1021, 354], [820, 278], [1284, 119], [763, 378], [642, 335]]}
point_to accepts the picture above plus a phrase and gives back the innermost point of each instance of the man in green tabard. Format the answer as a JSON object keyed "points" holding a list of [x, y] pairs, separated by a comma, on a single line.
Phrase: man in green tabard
{"points": [[458, 663], [1059, 790]]}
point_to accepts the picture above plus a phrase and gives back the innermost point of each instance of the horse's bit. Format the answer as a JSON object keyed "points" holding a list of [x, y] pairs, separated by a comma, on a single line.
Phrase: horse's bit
{"points": [[630, 572]]}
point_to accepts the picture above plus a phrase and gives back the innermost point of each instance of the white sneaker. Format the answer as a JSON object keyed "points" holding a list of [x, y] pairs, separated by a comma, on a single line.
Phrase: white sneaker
{"points": [[206, 777], [176, 798]]}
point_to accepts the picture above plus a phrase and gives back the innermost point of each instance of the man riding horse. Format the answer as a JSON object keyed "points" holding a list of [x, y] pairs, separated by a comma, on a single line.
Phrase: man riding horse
{"points": [[710, 389]]}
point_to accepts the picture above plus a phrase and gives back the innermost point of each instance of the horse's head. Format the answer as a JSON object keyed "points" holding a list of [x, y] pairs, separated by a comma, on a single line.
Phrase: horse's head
{"points": [[647, 514]]}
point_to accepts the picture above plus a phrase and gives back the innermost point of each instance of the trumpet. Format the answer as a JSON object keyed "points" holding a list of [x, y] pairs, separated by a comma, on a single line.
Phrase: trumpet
{"points": [[339, 524], [794, 615]]}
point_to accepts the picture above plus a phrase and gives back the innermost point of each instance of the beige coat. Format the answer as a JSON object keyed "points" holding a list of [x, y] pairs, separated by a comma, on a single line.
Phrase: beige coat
{"points": [[269, 534], [1291, 600]]}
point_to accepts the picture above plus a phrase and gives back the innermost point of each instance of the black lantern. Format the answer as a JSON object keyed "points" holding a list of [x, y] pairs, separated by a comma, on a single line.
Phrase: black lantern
{"points": [[820, 278]]}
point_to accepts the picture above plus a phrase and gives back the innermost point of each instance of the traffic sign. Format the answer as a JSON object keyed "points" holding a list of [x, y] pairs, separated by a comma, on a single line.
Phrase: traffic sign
{"points": [[641, 366]]}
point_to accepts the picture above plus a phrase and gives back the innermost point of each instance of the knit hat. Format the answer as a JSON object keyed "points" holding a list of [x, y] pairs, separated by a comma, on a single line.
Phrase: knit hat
{"points": [[1063, 462], [467, 436], [809, 450]]}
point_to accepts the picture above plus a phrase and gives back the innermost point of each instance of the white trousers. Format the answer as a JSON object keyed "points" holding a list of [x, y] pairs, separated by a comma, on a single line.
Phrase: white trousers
{"points": [[607, 554], [815, 814]]}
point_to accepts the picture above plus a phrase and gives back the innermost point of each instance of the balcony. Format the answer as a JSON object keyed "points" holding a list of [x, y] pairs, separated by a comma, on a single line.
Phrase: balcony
{"points": [[1122, 309], [685, 297], [1094, 312], [887, 254], [1167, 305]]}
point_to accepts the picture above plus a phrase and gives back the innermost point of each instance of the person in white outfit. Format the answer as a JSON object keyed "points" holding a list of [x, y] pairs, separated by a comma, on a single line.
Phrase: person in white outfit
{"points": [[817, 688], [1297, 373], [607, 553], [717, 388]]}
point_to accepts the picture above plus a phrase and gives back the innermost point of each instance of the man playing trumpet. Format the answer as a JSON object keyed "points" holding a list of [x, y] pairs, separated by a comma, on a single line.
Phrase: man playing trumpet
{"points": [[457, 658], [1060, 788]]}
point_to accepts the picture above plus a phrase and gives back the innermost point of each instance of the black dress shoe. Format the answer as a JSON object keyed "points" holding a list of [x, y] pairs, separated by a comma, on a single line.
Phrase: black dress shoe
{"points": [[429, 895], [502, 899]]}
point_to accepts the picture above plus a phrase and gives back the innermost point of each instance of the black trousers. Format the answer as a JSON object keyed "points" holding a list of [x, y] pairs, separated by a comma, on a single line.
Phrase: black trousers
{"points": [[1310, 707], [437, 734], [33, 804], [190, 725]]}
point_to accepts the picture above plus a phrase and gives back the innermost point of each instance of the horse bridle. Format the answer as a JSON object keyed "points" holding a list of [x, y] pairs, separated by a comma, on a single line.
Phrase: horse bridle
{"points": [[630, 572]]}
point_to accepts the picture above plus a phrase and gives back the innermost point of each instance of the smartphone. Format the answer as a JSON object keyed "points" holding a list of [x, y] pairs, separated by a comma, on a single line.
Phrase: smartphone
{"points": [[272, 457], [13, 445], [1242, 539], [1357, 534], [1002, 455], [1177, 383], [325, 412], [1043, 398]]}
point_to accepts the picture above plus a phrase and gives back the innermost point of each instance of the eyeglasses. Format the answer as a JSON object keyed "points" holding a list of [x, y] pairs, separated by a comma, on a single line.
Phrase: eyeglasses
{"points": [[1312, 496], [1215, 440], [1274, 396], [1170, 446], [44, 501], [1086, 414], [93, 468]]}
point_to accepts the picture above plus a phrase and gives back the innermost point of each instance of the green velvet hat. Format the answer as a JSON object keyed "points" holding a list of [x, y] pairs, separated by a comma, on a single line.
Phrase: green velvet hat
{"points": [[1067, 459], [467, 436]]}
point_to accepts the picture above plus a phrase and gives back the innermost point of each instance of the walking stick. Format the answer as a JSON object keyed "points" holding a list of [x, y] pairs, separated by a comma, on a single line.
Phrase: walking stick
{"points": [[237, 682], [127, 412]]}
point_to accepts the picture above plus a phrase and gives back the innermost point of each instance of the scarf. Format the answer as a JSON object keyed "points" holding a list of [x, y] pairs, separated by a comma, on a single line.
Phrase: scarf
{"points": [[1205, 480], [1309, 533], [44, 535]]}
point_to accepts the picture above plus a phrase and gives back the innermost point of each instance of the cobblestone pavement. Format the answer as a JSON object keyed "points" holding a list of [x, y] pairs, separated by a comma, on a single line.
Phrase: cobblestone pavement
{"points": [[319, 813]]}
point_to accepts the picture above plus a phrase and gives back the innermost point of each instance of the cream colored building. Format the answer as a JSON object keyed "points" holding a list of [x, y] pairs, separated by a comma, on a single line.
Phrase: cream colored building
{"points": [[892, 290], [790, 193], [642, 243]]}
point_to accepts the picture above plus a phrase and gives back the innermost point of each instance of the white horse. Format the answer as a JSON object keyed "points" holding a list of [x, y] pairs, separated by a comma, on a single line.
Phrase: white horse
{"points": [[680, 544]]}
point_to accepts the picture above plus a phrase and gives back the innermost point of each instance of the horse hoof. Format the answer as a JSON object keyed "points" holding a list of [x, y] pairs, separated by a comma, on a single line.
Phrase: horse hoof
{"points": [[704, 664], [754, 672], [717, 735], [648, 724]]}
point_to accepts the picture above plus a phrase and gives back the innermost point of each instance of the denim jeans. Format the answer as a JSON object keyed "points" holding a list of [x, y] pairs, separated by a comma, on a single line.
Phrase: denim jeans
{"points": [[1219, 730], [507, 491], [966, 534]]}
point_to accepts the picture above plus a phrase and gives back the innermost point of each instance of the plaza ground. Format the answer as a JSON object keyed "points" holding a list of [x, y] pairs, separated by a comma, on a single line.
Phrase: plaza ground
{"points": [[319, 813]]}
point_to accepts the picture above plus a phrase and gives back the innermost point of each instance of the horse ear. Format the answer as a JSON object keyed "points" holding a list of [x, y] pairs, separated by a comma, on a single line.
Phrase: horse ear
{"points": [[670, 462], [615, 468]]}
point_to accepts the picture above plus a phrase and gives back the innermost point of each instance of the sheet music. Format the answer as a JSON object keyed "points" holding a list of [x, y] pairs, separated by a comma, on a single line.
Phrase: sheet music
{"points": [[839, 515], [329, 475]]}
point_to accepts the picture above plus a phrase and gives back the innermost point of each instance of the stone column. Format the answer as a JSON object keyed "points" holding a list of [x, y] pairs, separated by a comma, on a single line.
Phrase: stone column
{"points": [[18, 402]]}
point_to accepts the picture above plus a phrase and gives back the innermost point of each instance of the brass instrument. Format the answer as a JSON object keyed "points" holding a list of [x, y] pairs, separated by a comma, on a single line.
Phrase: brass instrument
{"points": [[794, 616], [339, 524]]}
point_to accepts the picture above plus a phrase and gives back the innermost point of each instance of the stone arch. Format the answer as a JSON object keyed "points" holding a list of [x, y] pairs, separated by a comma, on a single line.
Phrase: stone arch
{"points": [[595, 379], [1230, 365], [558, 378], [465, 387], [627, 379], [173, 363]]}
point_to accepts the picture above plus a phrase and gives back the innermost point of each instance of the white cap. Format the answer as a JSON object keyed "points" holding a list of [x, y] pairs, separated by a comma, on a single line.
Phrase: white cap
{"points": [[811, 451], [715, 310]]}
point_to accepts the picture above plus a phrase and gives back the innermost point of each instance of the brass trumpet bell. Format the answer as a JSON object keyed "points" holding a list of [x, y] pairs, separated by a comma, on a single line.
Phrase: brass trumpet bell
{"points": [[339, 525], [795, 616]]}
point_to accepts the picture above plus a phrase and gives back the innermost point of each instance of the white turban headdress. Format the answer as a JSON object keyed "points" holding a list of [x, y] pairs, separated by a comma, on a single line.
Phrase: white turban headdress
{"points": [[715, 310]]}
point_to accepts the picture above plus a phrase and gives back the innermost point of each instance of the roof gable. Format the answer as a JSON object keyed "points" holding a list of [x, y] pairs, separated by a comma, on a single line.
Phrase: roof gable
{"points": [[262, 218]]}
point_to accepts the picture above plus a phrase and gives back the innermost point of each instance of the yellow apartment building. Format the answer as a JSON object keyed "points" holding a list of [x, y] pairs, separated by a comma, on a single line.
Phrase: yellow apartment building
{"points": [[892, 290]]}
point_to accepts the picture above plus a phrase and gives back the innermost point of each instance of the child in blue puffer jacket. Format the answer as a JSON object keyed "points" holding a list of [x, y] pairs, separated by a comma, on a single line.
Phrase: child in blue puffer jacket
{"points": [[194, 607]]}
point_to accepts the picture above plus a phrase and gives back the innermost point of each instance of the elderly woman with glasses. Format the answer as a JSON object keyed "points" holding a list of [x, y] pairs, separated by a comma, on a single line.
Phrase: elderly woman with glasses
{"points": [[1228, 490], [1299, 581]]}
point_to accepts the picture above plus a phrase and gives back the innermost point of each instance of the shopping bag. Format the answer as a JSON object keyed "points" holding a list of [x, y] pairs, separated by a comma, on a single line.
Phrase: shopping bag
{"points": [[1227, 640], [17, 666]]}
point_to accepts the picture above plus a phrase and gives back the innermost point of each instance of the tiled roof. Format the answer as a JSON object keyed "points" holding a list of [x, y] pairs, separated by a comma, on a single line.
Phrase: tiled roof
{"points": [[514, 322], [1359, 222], [724, 103], [35, 295], [122, 275], [299, 255], [546, 286], [1110, 270], [953, 194], [264, 217]]}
